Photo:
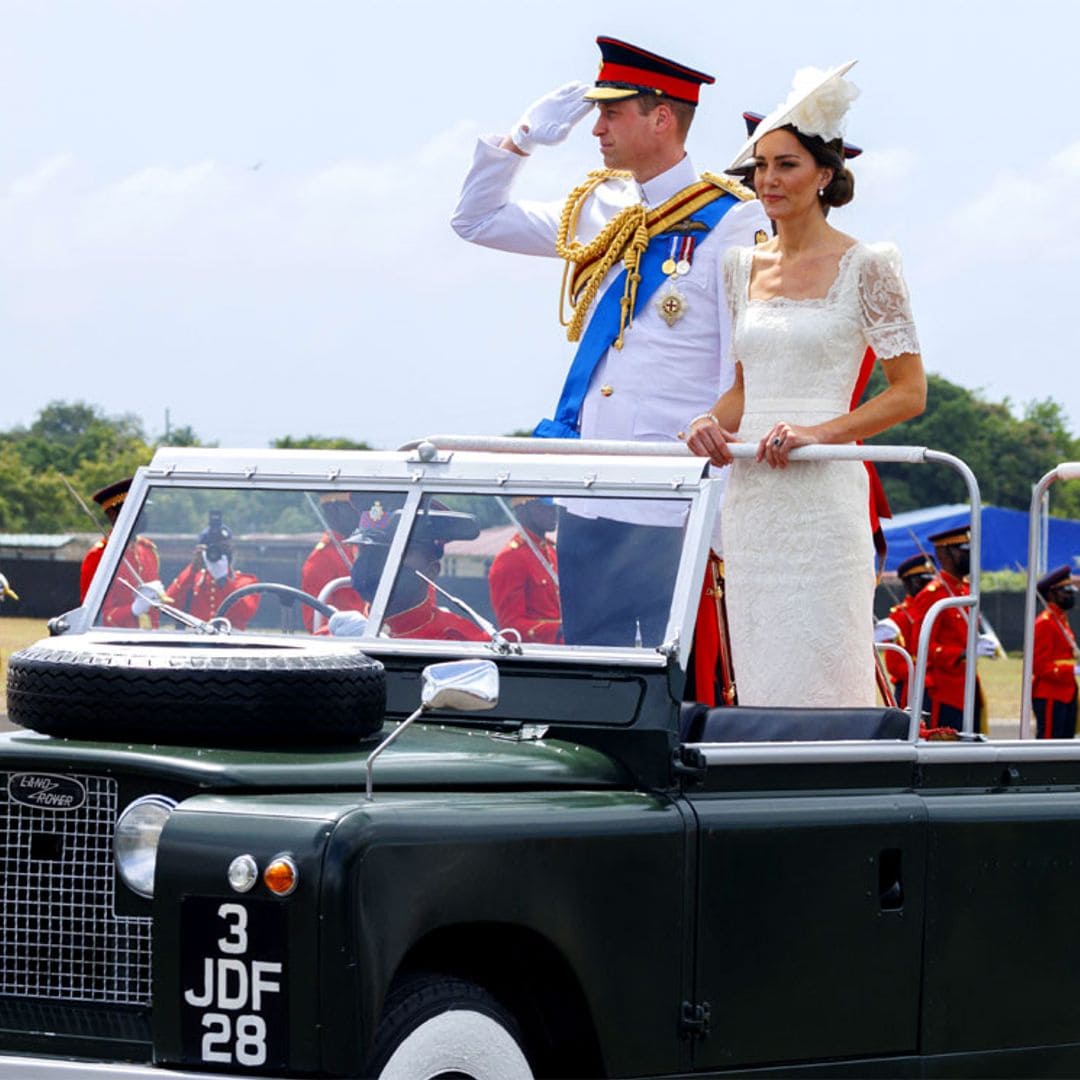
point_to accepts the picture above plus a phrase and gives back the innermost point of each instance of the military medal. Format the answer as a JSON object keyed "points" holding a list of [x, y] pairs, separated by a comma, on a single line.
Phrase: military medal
{"points": [[672, 304]]}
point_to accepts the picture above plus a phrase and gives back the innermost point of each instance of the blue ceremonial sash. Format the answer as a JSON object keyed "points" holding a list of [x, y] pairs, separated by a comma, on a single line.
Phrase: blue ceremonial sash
{"points": [[603, 327]]}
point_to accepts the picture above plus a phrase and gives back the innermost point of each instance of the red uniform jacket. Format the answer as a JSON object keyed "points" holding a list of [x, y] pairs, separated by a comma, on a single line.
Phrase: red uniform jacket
{"points": [[428, 620], [89, 567], [901, 614], [523, 593], [322, 565], [1052, 673], [140, 564], [198, 593], [948, 643]]}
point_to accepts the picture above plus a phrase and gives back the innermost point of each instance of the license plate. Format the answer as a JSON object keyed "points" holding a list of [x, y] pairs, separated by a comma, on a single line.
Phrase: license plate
{"points": [[233, 982]]}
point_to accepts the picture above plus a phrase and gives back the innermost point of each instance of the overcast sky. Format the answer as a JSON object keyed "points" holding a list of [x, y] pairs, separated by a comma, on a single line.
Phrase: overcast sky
{"points": [[237, 210]]}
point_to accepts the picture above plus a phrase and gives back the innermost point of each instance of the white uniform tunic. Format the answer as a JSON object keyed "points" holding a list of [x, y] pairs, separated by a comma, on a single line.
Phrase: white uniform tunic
{"points": [[664, 375]]}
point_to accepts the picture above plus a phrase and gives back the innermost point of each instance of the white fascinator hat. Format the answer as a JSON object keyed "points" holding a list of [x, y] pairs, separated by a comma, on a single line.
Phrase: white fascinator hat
{"points": [[817, 105]]}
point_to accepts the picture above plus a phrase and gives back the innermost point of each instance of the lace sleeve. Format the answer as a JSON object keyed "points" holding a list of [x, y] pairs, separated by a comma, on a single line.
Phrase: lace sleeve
{"points": [[732, 279], [883, 298]]}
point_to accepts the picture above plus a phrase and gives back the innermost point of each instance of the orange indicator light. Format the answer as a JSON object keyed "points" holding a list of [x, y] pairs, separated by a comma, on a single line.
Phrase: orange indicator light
{"points": [[281, 875]]}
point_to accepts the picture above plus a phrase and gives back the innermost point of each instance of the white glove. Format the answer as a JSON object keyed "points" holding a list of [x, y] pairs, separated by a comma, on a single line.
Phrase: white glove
{"points": [[548, 121], [146, 594], [886, 630], [1076, 670], [348, 624], [986, 646]]}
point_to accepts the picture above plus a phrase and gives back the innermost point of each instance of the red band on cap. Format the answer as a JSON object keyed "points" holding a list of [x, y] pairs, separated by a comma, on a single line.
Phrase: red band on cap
{"points": [[676, 88]]}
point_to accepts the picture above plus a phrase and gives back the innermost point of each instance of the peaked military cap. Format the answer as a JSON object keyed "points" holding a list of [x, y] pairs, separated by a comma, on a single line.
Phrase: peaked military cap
{"points": [[958, 534], [627, 71], [916, 565], [436, 524], [111, 496], [1062, 575]]}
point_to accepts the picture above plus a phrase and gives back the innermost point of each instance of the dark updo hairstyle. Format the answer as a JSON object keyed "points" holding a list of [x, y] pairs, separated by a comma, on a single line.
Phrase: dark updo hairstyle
{"points": [[829, 155]]}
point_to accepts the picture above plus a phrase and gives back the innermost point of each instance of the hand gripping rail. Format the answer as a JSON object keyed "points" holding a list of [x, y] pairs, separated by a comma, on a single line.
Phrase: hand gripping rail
{"points": [[429, 448], [1068, 470]]}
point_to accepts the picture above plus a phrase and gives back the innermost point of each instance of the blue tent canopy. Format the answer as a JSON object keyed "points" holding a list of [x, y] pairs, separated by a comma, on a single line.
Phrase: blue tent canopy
{"points": [[1004, 536]]}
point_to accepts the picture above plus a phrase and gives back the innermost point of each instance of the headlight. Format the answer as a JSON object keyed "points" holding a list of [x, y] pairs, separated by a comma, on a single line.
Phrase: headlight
{"points": [[135, 842]]}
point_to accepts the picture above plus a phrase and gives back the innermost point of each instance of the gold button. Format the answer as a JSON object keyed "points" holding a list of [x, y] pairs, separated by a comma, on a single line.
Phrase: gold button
{"points": [[607, 391]]}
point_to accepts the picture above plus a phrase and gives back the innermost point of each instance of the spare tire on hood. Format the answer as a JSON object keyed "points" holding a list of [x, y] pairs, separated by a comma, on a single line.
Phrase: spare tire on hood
{"points": [[187, 690]]}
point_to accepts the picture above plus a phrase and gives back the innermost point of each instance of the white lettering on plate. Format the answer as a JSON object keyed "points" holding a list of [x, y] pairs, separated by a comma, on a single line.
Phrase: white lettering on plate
{"points": [[234, 984]]}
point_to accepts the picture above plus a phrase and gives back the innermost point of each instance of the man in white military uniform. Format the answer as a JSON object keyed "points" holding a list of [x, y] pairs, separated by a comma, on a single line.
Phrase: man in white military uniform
{"points": [[643, 248]]}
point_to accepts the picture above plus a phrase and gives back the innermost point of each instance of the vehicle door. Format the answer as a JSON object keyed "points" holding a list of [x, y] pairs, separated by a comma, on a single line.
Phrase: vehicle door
{"points": [[1002, 968], [811, 868]]}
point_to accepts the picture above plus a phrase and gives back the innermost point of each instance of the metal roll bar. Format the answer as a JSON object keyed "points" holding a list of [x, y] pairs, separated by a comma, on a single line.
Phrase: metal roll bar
{"points": [[1068, 470]]}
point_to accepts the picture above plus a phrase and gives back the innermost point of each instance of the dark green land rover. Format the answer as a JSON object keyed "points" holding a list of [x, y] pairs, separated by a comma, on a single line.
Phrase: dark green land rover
{"points": [[291, 799]]}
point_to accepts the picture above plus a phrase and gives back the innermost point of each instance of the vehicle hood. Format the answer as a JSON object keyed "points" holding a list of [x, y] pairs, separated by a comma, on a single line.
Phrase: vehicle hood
{"points": [[426, 757]]}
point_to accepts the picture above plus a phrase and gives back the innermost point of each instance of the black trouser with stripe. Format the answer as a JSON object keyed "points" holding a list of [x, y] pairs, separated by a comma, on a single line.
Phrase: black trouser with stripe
{"points": [[1054, 719], [942, 715]]}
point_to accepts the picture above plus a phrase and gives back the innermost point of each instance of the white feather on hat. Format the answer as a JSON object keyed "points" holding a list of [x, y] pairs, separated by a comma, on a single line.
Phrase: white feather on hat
{"points": [[817, 105]]}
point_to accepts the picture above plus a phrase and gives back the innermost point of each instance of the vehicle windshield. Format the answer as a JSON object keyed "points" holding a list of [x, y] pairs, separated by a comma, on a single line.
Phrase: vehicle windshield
{"points": [[385, 562]]}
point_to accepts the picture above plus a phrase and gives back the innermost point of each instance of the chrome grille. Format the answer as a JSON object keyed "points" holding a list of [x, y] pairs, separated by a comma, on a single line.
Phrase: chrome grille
{"points": [[60, 936]]}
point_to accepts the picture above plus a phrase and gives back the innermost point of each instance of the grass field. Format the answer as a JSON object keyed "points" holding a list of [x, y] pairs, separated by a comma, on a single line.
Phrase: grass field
{"points": [[1000, 680], [14, 634]]}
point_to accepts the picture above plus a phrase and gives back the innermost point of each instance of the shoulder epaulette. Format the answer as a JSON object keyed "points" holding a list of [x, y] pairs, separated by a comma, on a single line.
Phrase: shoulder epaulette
{"points": [[514, 544], [140, 539], [730, 185]]}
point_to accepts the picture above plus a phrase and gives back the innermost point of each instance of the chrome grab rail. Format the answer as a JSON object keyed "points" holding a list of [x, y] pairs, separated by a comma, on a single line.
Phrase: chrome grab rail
{"points": [[1067, 470]]}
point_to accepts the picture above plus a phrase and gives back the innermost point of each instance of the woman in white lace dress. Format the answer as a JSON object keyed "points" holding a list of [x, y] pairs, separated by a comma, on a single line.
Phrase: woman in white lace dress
{"points": [[805, 305]]}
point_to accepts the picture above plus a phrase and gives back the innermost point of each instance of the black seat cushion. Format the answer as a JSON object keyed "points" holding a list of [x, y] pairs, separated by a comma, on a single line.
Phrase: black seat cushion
{"points": [[754, 724], [691, 719]]}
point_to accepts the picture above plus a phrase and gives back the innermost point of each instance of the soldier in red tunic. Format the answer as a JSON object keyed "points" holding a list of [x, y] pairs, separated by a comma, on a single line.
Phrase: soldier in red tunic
{"points": [[898, 627], [522, 580], [137, 579], [412, 610], [210, 577], [332, 557], [1053, 668], [947, 658]]}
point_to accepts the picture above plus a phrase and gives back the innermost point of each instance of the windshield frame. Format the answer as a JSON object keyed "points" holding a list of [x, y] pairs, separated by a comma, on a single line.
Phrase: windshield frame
{"points": [[458, 474]]}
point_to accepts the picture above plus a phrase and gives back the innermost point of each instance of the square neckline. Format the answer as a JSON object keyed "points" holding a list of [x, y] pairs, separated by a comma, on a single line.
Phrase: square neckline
{"points": [[841, 269]]}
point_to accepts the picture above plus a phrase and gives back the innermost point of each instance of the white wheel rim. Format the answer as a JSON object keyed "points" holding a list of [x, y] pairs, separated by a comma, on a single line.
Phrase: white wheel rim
{"points": [[458, 1040]]}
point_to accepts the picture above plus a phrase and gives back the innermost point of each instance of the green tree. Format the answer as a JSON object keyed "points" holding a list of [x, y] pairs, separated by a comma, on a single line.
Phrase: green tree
{"points": [[181, 436], [1006, 453]]}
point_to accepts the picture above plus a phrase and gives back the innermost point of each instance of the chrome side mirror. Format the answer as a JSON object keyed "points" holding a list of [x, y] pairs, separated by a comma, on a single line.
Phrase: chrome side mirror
{"points": [[457, 684], [460, 684]]}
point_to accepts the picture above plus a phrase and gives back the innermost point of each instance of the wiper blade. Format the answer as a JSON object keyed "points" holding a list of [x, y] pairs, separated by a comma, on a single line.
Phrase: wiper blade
{"points": [[499, 640], [192, 622]]}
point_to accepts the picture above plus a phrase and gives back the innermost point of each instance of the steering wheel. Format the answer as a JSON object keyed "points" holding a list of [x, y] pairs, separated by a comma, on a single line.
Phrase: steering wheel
{"points": [[325, 593], [281, 590]]}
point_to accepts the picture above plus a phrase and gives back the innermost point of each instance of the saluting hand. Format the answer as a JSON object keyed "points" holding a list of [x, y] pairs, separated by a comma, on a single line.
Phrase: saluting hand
{"points": [[548, 121]]}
